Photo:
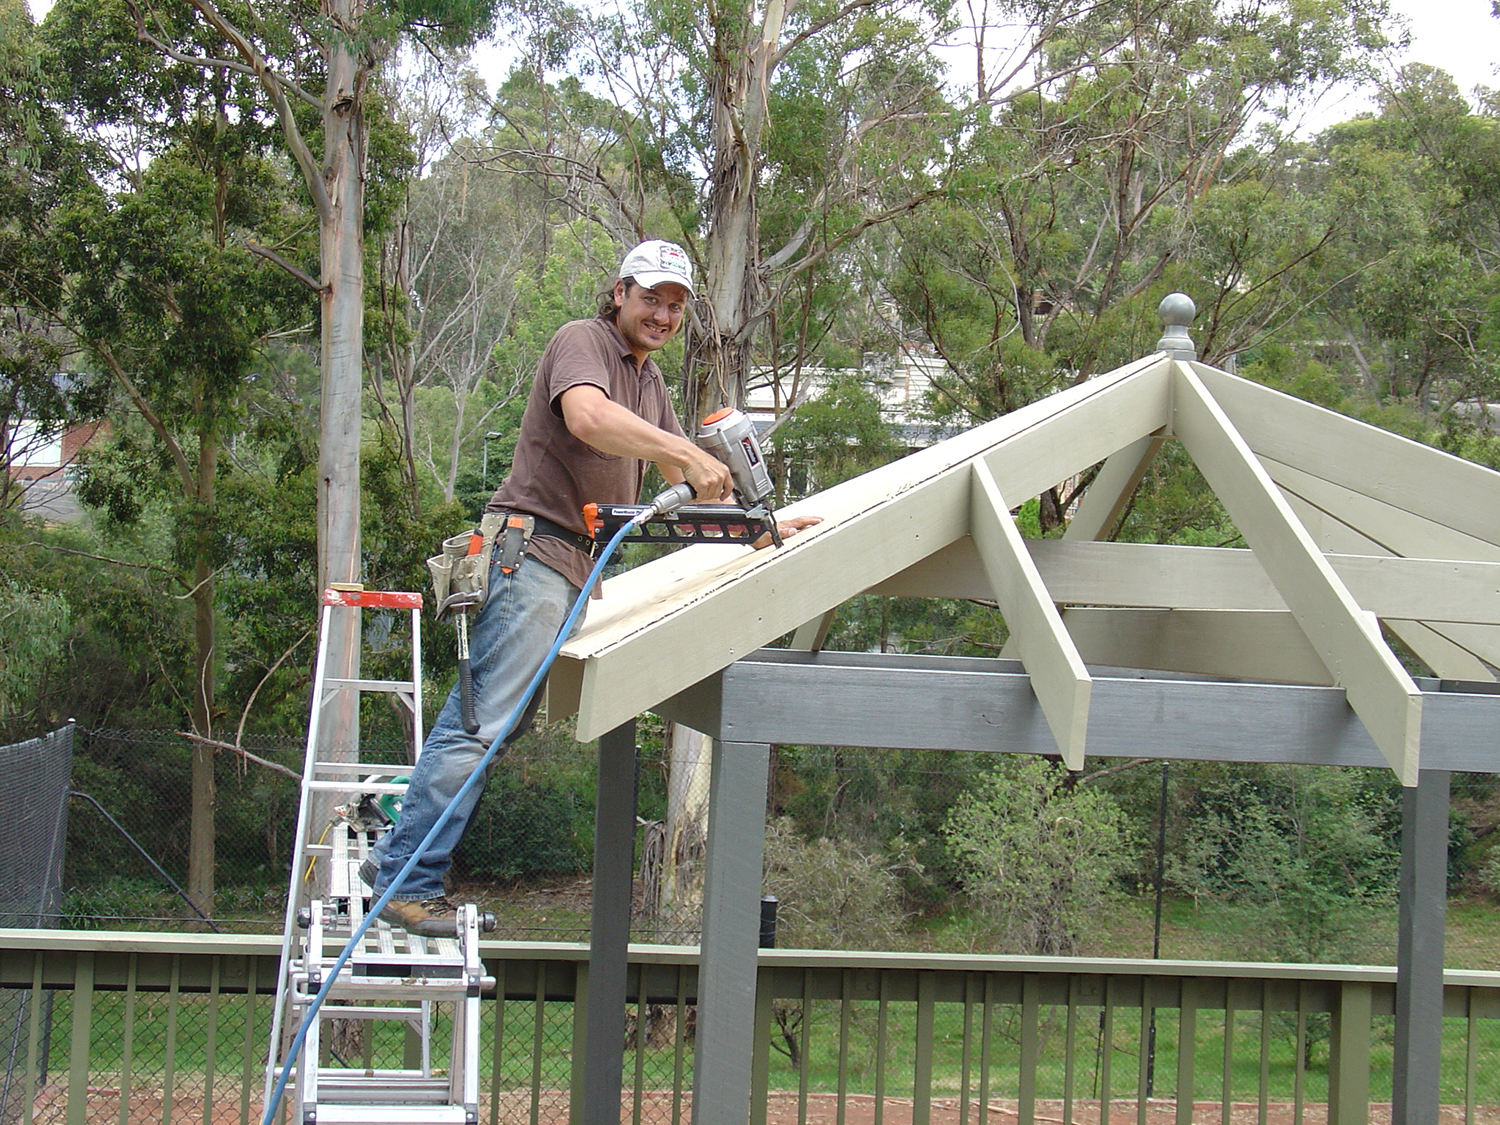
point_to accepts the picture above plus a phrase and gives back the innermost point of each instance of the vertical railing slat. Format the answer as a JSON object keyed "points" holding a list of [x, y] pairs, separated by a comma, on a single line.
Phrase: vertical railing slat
{"points": [[1031, 1006], [248, 1076], [497, 1044], [211, 1043], [127, 1039], [679, 1044], [921, 1081], [33, 1041], [1187, 1049], [169, 1076], [538, 1038], [78, 1048]]}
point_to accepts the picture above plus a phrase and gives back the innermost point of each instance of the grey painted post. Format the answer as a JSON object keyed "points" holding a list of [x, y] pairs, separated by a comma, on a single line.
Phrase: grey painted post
{"points": [[1177, 312], [609, 936], [731, 933], [1419, 950]]}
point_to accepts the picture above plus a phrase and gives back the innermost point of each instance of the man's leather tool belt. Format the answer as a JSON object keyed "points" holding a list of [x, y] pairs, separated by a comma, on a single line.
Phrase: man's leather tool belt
{"points": [[461, 574]]}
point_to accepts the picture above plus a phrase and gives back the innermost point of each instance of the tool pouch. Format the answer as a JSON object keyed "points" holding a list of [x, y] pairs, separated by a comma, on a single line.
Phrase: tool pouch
{"points": [[461, 574]]}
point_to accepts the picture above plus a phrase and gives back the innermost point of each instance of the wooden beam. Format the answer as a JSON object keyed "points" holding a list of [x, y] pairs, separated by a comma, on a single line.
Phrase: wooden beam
{"points": [[1234, 644], [1402, 530], [668, 624], [1057, 673], [988, 705], [1146, 574], [1112, 488], [1345, 637], [1404, 474]]}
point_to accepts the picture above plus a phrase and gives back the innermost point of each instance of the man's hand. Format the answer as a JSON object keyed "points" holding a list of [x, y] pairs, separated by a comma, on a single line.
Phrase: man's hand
{"points": [[710, 477], [787, 528]]}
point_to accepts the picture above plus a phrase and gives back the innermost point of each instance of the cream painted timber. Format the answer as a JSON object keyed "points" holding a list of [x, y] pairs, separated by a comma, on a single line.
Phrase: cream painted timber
{"points": [[1406, 474], [1446, 657], [1397, 530], [1453, 650], [1385, 698], [1112, 489], [1058, 677], [1145, 575], [675, 621], [811, 635], [1231, 644]]}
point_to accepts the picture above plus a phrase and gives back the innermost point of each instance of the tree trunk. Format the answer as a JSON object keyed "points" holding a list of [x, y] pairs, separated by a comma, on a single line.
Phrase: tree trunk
{"points": [[341, 237], [201, 830]]}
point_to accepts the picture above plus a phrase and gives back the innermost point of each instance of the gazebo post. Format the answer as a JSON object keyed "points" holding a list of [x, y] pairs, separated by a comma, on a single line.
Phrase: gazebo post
{"points": [[724, 1047], [603, 1056], [1415, 1094]]}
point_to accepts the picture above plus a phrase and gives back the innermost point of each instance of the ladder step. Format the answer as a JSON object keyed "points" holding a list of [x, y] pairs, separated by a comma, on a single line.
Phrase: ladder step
{"points": [[354, 785], [393, 988], [331, 685], [359, 1114]]}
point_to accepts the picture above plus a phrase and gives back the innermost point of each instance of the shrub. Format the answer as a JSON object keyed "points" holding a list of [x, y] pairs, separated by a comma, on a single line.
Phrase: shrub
{"points": [[1036, 853]]}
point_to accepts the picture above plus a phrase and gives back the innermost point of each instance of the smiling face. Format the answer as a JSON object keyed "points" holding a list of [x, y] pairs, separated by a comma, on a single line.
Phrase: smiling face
{"points": [[648, 318]]}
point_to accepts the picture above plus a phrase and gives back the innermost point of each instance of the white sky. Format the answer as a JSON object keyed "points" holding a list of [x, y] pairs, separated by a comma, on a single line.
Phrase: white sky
{"points": [[1459, 36]]}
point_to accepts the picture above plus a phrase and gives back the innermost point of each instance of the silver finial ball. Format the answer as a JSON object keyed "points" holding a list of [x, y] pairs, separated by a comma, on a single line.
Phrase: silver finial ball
{"points": [[1177, 309], [1177, 312]]}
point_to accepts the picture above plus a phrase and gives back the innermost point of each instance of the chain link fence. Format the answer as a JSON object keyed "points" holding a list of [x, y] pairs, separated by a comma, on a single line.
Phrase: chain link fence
{"points": [[865, 849]]}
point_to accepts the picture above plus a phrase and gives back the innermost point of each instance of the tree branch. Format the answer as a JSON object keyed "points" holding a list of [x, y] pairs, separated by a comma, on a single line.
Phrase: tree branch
{"points": [[270, 255]]}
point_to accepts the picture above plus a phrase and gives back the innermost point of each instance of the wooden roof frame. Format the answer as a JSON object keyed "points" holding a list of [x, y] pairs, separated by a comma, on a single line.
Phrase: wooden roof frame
{"points": [[1349, 528]]}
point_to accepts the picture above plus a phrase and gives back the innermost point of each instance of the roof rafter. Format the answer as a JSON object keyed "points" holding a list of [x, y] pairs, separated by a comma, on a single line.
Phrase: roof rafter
{"points": [[1347, 639], [1057, 673]]}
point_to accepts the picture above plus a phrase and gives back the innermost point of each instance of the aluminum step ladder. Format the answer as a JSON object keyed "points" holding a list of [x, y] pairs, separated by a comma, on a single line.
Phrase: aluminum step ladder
{"points": [[393, 978]]}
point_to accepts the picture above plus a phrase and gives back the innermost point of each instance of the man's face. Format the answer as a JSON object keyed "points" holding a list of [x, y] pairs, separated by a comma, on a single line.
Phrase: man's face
{"points": [[648, 318]]}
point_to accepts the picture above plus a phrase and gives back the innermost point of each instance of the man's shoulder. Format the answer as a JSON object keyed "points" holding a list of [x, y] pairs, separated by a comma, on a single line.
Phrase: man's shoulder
{"points": [[587, 332]]}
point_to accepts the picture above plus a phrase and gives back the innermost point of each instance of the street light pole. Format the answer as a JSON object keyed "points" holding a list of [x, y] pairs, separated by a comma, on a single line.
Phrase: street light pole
{"points": [[485, 470]]}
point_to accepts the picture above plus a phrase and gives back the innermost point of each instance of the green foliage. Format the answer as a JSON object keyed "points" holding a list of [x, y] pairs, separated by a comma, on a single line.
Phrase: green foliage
{"points": [[1301, 854], [536, 814], [831, 893], [1037, 853], [835, 436], [33, 627]]}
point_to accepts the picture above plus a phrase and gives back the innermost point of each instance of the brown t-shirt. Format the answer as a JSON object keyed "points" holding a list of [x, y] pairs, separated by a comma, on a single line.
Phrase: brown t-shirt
{"points": [[554, 474]]}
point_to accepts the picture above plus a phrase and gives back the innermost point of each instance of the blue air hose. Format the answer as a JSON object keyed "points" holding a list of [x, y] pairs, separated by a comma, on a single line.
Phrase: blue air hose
{"points": [[379, 904]]}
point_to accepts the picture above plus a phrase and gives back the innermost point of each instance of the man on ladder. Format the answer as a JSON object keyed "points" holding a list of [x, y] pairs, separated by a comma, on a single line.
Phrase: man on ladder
{"points": [[598, 411]]}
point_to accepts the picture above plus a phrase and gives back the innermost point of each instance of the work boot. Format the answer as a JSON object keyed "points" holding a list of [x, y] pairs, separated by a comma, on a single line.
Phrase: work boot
{"points": [[369, 871], [431, 917]]}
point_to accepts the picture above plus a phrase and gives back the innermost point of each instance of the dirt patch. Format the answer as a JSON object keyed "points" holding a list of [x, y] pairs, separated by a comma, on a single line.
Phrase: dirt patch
{"points": [[147, 1107]]}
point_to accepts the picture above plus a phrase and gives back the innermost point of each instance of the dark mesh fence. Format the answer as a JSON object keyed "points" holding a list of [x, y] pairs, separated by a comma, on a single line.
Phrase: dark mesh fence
{"points": [[32, 839], [865, 849]]}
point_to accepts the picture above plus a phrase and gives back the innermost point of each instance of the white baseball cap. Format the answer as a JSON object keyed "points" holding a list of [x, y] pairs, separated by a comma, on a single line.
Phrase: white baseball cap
{"points": [[655, 262]]}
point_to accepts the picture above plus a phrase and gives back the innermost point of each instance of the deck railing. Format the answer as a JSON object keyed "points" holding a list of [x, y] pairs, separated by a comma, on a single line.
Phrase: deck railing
{"points": [[127, 1027]]}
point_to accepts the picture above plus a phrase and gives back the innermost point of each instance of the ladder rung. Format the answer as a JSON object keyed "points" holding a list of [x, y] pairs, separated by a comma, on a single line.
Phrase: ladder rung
{"points": [[354, 785], [363, 769], [358, 1114], [393, 988], [332, 684]]}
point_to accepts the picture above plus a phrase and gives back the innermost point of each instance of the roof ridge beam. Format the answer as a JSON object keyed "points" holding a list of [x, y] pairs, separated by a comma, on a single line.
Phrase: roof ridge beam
{"points": [[1347, 639], [1061, 682]]}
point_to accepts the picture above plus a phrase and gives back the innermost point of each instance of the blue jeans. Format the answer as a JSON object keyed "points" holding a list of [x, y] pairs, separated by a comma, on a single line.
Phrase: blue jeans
{"points": [[508, 639]]}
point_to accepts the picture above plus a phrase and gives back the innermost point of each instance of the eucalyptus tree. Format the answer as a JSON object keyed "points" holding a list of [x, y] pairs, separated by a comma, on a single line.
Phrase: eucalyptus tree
{"points": [[310, 69], [1078, 200], [39, 165], [454, 267]]}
